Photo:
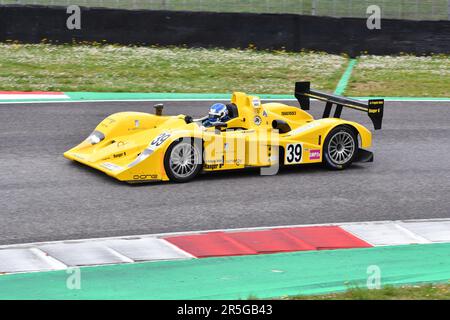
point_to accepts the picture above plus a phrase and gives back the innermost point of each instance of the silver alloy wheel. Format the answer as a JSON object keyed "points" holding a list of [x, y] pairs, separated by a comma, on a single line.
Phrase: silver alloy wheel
{"points": [[184, 160], [341, 147]]}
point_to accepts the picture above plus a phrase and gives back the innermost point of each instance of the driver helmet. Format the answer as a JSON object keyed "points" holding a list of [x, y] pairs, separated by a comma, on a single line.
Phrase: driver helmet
{"points": [[218, 112]]}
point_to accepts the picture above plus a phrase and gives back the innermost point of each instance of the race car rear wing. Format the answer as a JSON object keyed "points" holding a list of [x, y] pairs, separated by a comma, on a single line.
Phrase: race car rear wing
{"points": [[374, 107]]}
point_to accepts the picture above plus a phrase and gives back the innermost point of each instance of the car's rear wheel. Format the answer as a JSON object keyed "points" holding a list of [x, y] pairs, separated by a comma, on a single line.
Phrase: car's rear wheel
{"points": [[182, 160], [340, 148]]}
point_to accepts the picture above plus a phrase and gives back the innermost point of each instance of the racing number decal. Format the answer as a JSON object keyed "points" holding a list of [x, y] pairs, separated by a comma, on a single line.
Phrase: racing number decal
{"points": [[293, 153], [159, 140]]}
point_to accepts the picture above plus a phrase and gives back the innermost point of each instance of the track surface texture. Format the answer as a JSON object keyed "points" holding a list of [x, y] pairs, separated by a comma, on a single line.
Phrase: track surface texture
{"points": [[45, 197]]}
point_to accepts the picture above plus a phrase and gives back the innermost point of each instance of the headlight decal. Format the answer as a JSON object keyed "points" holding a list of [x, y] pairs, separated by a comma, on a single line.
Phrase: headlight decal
{"points": [[95, 137]]}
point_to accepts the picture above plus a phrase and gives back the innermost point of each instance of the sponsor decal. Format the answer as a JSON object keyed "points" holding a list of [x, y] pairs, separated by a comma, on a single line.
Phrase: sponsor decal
{"points": [[256, 103], [210, 166], [265, 113], [314, 154], [118, 155], [288, 113], [234, 161], [145, 177], [257, 120], [214, 161], [111, 166]]}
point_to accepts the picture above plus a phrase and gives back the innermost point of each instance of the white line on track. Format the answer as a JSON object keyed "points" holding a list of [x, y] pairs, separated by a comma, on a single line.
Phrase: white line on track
{"points": [[194, 100], [417, 237]]}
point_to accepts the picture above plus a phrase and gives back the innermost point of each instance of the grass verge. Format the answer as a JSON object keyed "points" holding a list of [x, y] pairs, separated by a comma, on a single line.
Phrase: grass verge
{"points": [[401, 76], [110, 68], [149, 69], [425, 292]]}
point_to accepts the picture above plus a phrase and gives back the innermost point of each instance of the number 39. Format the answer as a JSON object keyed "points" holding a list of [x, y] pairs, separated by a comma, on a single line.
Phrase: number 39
{"points": [[293, 153], [160, 139]]}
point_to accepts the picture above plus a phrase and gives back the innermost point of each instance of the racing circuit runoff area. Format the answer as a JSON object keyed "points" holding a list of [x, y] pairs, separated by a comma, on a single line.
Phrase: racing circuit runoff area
{"points": [[45, 197]]}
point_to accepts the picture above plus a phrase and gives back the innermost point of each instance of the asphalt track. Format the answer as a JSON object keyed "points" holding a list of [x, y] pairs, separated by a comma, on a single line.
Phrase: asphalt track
{"points": [[44, 197]]}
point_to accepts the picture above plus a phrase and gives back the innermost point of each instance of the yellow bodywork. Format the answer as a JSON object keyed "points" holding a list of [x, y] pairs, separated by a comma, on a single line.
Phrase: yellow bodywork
{"points": [[135, 143]]}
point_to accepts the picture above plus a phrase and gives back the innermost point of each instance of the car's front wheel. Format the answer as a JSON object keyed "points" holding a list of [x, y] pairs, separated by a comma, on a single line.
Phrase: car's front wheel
{"points": [[182, 160], [340, 148]]}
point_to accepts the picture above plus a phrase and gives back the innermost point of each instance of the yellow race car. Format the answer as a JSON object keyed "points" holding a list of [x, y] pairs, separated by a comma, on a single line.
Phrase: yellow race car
{"points": [[140, 147]]}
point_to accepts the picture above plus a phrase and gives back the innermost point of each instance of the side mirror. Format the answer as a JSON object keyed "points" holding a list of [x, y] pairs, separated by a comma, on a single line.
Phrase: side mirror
{"points": [[188, 119], [158, 109]]}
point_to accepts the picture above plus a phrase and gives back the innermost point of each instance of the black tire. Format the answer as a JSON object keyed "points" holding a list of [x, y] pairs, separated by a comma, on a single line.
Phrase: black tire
{"points": [[175, 150], [340, 148]]}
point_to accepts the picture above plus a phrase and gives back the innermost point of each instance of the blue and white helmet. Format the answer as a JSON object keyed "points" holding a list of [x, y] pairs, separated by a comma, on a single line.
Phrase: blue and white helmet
{"points": [[218, 112]]}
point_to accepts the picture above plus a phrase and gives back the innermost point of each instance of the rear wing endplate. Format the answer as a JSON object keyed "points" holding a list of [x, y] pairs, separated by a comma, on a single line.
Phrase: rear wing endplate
{"points": [[373, 107]]}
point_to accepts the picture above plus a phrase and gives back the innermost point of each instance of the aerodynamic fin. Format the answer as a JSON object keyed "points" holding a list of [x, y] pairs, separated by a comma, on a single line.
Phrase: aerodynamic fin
{"points": [[374, 107]]}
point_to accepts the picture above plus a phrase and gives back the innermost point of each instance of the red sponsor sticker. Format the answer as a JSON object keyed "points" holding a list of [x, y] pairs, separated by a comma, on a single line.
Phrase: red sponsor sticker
{"points": [[314, 154]]}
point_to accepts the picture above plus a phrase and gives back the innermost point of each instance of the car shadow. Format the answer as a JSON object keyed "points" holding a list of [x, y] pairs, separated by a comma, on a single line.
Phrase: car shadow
{"points": [[303, 169]]}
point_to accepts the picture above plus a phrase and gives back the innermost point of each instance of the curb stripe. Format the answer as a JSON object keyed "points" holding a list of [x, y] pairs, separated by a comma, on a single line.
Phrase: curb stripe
{"points": [[328, 237], [217, 244], [342, 84], [37, 93], [187, 245]]}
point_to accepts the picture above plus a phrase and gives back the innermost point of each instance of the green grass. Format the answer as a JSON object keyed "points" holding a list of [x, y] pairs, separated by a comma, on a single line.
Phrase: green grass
{"points": [[110, 68], [401, 76], [425, 292], [150, 69], [400, 9]]}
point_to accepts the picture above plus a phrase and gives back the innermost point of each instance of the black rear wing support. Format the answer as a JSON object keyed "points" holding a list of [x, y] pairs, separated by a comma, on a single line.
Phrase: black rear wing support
{"points": [[374, 107]]}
